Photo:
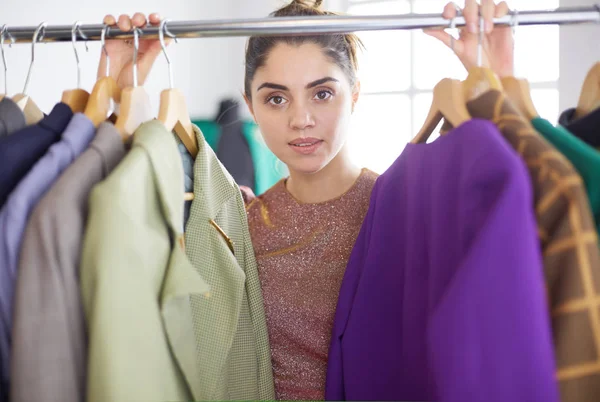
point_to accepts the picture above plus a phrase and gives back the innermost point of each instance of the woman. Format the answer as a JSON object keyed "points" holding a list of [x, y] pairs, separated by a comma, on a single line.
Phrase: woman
{"points": [[302, 91]]}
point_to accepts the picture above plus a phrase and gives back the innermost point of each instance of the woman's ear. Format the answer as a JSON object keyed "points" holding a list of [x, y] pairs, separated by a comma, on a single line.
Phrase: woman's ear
{"points": [[249, 104], [355, 94]]}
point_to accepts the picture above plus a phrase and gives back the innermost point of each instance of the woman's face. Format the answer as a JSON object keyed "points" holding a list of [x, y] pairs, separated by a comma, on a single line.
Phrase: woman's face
{"points": [[302, 102]]}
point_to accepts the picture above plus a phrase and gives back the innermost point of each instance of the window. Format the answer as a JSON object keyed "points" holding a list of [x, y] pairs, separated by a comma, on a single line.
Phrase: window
{"points": [[399, 69]]}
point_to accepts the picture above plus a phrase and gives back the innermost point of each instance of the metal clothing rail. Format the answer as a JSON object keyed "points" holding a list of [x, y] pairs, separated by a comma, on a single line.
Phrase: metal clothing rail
{"points": [[299, 25]]}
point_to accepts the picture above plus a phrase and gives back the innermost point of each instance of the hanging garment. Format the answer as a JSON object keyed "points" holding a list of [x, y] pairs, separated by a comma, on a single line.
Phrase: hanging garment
{"points": [[569, 245], [585, 128], [268, 170], [21, 150], [302, 251], [584, 158], [230, 327], [172, 320], [443, 297], [136, 280], [49, 329], [19, 205], [11, 117], [233, 150]]}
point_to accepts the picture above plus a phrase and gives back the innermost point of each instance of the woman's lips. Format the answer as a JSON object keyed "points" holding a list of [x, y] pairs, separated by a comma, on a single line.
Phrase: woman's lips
{"points": [[306, 146]]}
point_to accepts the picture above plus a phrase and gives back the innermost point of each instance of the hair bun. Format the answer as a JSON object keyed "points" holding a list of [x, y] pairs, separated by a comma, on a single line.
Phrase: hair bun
{"points": [[316, 4]]}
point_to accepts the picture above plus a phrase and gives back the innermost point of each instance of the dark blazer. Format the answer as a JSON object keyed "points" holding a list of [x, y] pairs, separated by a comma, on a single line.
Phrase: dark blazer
{"points": [[21, 150]]}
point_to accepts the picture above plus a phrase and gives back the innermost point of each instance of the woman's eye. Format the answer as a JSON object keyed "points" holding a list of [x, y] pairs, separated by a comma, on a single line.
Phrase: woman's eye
{"points": [[276, 100], [323, 95]]}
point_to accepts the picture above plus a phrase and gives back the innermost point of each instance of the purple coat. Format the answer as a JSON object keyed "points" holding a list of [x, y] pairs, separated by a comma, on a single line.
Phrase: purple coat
{"points": [[443, 297]]}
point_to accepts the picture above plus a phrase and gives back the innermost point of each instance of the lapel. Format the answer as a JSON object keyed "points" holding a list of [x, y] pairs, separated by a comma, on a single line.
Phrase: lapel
{"points": [[181, 280], [215, 246]]}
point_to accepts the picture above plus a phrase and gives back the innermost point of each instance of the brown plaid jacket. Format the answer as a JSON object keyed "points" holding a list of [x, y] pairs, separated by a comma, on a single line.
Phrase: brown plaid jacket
{"points": [[569, 245]]}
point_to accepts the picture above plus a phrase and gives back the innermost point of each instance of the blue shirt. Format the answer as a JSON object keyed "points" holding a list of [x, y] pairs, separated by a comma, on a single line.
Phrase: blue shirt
{"points": [[15, 213], [188, 177]]}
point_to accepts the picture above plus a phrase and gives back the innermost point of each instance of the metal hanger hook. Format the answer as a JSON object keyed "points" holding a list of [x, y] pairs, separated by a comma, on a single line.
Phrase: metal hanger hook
{"points": [[480, 41], [2, 36], [514, 24], [103, 44], [169, 33], [84, 37], [136, 47], [38, 35], [453, 25], [74, 31], [161, 37]]}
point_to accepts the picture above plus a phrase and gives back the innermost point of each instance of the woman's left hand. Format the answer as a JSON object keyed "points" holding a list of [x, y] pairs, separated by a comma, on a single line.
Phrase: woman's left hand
{"points": [[498, 50]]}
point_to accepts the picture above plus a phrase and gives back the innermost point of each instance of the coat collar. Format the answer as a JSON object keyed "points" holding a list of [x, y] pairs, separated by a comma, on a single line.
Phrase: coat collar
{"points": [[161, 148], [209, 173]]}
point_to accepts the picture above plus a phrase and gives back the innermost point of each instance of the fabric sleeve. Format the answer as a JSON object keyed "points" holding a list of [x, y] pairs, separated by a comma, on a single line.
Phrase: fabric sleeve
{"points": [[47, 308], [335, 387]]}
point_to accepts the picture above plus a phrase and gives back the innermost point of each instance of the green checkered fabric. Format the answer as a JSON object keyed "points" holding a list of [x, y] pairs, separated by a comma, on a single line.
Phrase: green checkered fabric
{"points": [[233, 356]]}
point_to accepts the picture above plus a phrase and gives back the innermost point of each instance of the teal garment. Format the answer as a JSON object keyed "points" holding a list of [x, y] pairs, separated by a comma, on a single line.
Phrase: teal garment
{"points": [[268, 170], [584, 158]]}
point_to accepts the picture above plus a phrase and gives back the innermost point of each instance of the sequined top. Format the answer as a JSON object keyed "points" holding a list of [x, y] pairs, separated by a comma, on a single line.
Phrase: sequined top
{"points": [[302, 251]]}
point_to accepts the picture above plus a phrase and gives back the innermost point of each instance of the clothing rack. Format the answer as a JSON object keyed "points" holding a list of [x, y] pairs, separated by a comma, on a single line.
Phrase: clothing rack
{"points": [[297, 25]]}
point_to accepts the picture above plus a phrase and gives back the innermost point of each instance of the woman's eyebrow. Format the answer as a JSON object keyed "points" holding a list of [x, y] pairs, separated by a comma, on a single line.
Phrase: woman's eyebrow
{"points": [[320, 82], [272, 86], [308, 86]]}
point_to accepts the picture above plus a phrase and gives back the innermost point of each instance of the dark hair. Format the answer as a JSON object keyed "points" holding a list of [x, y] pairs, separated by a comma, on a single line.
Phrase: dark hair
{"points": [[341, 49]]}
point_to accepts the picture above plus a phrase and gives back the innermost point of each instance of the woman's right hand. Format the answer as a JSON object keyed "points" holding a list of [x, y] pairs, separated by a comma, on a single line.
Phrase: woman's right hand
{"points": [[120, 52]]}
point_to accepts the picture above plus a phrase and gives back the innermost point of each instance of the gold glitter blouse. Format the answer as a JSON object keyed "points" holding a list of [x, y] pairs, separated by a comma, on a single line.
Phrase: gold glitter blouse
{"points": [[302, 251]]}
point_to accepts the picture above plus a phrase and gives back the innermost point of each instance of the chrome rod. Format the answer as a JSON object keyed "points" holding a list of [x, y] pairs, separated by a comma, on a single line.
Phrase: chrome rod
{"points": [[303, 25]]}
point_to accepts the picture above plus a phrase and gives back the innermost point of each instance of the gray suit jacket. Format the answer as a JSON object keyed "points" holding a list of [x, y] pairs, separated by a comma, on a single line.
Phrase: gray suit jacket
{"points": [[49, 335]]}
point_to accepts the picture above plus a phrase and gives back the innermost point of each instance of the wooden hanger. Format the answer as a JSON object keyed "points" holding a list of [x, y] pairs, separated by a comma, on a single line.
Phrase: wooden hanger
{"points": [[449, 103], [32, 112], [519, 92], [589, 98], [480, 79], [135, 108], [106, 92], [173, 111], [99, 104], [77, 98]]}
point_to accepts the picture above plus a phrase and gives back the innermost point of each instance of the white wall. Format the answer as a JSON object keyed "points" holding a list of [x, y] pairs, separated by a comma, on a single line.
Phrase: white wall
{"points": [[206, 70], [579, 50], [198, 63], [209, 69]]}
